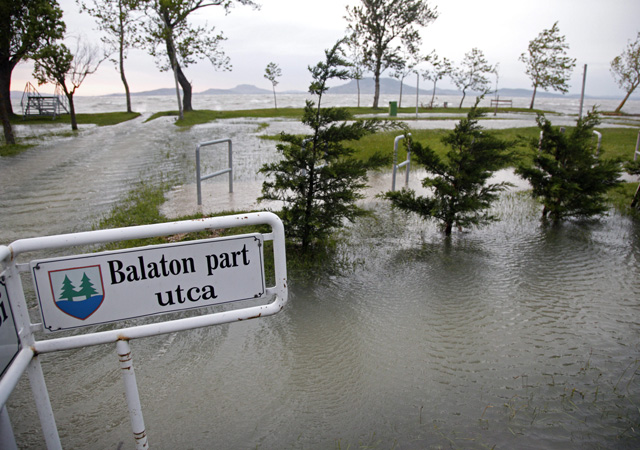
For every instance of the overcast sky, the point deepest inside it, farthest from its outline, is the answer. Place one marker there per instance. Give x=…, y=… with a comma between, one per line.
x=295, y=33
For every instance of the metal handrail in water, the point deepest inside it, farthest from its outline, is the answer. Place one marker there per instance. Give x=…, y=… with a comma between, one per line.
x=397, y=166
x=200, y=179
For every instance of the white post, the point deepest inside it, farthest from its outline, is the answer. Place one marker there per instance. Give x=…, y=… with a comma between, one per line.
x=417, y=92
x=43, y=405
x=7, y=438
x=34, y=369
x=584, y=82
x=131, y=392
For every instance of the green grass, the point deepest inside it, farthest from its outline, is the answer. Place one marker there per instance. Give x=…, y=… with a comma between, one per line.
x=621, y=196
x=192, y=118
x=142, y=204
x=617, y=143
x=384, y=142
x=99, y=119
x=140, y=207
x=14, y=149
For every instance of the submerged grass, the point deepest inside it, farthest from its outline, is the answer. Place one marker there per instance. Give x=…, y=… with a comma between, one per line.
x=24, y=143
x=142, y=204
x=14, y=149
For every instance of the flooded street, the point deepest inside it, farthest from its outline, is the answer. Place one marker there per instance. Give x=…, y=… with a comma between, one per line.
x=516, y=335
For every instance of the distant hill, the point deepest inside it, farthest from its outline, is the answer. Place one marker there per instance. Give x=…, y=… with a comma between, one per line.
x=387, y=86
x=241, y=89
x=390, y=86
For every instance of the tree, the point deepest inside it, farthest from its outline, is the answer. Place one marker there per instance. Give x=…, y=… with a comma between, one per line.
x=25, y=27
x=183, y=43
x=56, y=64
x=472, y=73
x=68, y=292
x=356, y=57
x=271, y=73
x=546, y=62
x=86, y=287
x=117, y=19
x=626, y=69
x=461, y=195
x=318, y=179
x=439, y=69
x=566, y=176
x=406, y=65
x=383, y=25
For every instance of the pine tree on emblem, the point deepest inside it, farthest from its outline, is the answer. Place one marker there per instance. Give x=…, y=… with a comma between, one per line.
x=68, y=291
x=86, y=287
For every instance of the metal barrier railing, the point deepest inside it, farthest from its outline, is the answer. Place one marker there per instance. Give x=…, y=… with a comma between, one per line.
x=229, y=169
x=15, y=316
x=562, y=130
x=397, y=166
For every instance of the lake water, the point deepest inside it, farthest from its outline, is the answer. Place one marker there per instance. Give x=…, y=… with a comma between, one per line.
x=516, y=335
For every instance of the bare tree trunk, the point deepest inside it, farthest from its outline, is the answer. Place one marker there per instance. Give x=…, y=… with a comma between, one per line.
x=376, y=94
x=187, y=90
x=624, y=100
x=121, y=57
x=448, y=228
x=124, y=78
x=533, y=97
x=177, y=70
x=72, y=112
x=376, y=76
x=9, y=137
x=5, y=87
x=464, y=94
x=433, y=94
x=5, y=117
x=275, y=102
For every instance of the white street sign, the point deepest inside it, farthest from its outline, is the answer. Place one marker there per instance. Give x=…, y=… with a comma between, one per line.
x=98, y=288
x=9, y=341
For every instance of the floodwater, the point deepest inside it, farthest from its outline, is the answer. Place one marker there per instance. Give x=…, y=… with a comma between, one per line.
x=515, y=335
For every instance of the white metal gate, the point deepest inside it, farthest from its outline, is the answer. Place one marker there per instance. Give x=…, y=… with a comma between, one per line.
x=25, y=352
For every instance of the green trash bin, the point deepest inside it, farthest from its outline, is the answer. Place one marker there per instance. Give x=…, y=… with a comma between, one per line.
x=393, y=109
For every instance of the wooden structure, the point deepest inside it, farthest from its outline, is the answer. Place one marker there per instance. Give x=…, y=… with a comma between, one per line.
x=36, y=104
x=496, y=102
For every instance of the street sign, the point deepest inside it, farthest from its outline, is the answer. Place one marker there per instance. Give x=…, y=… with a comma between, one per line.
x=9, y=341
x=91, y=289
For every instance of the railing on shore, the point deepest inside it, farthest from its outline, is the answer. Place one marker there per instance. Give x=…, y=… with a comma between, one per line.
x=19, y=332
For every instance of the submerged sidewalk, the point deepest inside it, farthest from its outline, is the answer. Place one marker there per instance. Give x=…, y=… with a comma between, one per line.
x=182, y=200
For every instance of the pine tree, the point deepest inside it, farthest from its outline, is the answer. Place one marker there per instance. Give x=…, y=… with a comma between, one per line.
x=318, y=179
x=461, y=196
x=86, y=287
x=567, y=177
x=68, y=292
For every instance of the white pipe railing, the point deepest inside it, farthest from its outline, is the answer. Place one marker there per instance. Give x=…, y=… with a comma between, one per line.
x=406, y=162
x=25, y=360
x=229, y=170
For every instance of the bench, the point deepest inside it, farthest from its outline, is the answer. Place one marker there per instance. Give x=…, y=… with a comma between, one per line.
x=504, y=103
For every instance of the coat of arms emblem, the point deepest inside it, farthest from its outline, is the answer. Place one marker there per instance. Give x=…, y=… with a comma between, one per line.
x=77, y=292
